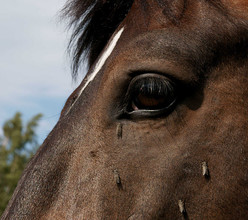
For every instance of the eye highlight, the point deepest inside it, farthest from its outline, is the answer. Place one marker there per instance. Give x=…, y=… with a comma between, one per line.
x=150, y=95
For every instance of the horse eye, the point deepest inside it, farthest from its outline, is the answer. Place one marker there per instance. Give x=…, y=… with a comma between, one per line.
x=151, y=94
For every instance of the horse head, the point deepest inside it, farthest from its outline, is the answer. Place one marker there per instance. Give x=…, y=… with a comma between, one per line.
x=158, y=127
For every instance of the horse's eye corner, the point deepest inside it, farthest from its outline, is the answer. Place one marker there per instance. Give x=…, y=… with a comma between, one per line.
x=150, y=95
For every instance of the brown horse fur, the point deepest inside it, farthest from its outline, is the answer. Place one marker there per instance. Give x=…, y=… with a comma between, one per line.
x=200, y=45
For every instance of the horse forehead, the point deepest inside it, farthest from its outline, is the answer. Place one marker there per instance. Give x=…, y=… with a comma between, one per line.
x=148, y=15
x=236, y=3
x=238, y=8
x=152, y=14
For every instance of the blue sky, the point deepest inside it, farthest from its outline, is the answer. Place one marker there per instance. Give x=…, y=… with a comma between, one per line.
x=34, y=67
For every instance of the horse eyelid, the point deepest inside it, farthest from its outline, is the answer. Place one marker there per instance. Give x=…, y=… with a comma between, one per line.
x=158, y=83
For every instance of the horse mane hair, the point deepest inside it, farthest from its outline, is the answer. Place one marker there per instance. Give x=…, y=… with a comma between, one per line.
x=93, y=22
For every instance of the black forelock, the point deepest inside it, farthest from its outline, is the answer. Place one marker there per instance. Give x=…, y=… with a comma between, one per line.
x=93, y=22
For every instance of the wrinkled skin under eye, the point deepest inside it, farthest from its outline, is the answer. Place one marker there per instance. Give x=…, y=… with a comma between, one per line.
x=150, y=95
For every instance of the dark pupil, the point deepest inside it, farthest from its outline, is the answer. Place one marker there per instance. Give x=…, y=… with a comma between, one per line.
x=149, y=102
x=153, y=93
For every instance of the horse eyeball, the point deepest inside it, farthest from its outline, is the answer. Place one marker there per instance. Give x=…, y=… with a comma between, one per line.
x=148, y=102
x=151, y=92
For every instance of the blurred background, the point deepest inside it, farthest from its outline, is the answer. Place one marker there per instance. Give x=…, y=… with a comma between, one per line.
x=35, y=82
x=34, y=67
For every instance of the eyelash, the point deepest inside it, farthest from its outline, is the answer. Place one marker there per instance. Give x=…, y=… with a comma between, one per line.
x=157, y=92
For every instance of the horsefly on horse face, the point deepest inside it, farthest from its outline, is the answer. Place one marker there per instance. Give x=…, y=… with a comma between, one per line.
x=117, y=177
x=119, y=130
x=205, y=171
x=181, y=206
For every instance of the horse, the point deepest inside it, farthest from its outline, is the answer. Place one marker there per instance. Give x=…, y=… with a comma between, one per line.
x=158, y=127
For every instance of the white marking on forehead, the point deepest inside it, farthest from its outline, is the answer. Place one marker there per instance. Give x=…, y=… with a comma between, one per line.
x=103, y=58
x=100, y=62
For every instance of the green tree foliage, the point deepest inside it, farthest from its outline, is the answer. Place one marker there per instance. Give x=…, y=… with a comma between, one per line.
x=17, y=145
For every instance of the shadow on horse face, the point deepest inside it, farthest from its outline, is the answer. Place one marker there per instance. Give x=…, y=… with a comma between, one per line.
x=158, y=128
